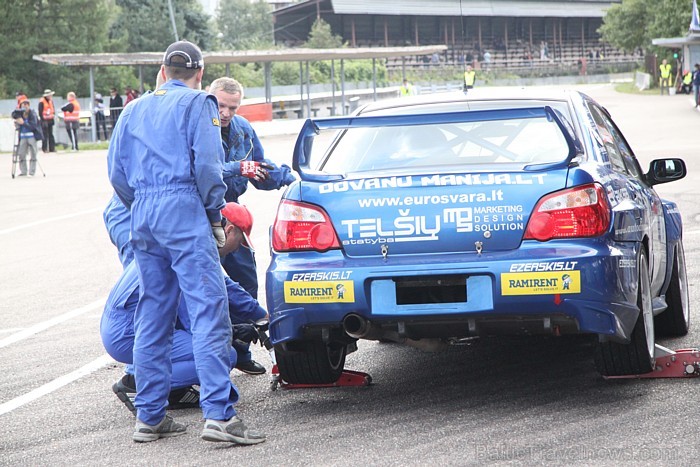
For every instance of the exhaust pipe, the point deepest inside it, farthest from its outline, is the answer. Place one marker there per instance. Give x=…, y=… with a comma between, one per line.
x=358, y=327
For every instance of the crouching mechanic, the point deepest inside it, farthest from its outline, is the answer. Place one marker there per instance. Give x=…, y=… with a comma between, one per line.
x=117, y=325
x=245, y=162
x=117, y=220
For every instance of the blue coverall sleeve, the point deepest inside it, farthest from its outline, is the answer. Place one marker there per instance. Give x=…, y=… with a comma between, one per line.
x=258, y=151
x=208, y=157
x=241, y=305
x=232, y=168
x=115, y=168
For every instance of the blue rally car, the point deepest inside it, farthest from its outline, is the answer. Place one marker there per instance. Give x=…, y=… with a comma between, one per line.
x=428, y=221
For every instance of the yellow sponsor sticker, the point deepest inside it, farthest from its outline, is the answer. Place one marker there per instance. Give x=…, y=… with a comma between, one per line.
x=216, y=122
x=319, y=292
x=160, y=92
x=540, y=283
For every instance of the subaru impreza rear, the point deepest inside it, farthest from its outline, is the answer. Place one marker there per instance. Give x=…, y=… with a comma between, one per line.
x=430, y=222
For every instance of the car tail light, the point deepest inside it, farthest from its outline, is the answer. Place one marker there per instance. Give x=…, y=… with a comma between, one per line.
x=577, y=212
x=300, y=226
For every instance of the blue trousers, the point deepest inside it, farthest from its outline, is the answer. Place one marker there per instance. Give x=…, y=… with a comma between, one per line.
x=240, y=267
x=175, y=251
x=117, y=331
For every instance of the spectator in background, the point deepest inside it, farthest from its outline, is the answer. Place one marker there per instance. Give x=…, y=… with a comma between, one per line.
x=487, y=60
x=687, y=82
x=469, y=78
x=71, y=117
x=130, y=95
x=21, y=97
x=665, y=76
x=115, y=106
x=696, y=84
x=47, y=113
x=406, y=89
x=99, y=110
x=29, y=132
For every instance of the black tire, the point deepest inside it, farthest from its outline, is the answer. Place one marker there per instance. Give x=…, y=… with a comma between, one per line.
x=675, y=320
x=311, y=362
x=637, y=356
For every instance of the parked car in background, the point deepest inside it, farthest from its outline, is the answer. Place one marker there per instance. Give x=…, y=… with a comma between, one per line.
x=432, y=219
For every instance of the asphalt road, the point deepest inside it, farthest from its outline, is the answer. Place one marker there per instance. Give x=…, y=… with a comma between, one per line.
x=496, y=401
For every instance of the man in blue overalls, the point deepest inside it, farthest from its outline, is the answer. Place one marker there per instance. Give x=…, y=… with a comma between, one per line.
x=117, y=324
x=245, y=162
x=165, y=164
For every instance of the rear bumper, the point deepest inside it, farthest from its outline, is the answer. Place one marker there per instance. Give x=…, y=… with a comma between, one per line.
x=507, y=293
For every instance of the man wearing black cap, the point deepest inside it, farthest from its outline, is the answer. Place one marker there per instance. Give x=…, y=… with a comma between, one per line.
x=165, y=163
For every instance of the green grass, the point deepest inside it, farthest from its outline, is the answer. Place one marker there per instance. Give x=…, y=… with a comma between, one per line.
x=94, y=146
x=631, y=88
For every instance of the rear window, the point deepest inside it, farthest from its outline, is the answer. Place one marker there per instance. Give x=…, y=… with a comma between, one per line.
x=430, y=146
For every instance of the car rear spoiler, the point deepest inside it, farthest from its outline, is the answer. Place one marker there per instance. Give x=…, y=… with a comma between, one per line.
x=313, y=127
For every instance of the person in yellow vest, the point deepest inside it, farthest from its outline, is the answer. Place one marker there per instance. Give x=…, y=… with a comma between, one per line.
x=47, y=112
x=71, y=115
x=687, y=84
x=406, y=89
x=664, y=76
x=469, y=78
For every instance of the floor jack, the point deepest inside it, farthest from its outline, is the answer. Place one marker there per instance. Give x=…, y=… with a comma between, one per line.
x=348, y=378
x=683, y=363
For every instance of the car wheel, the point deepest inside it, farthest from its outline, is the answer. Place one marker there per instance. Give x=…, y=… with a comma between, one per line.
x=675, y=320
x=637, y=356
x=311, y=362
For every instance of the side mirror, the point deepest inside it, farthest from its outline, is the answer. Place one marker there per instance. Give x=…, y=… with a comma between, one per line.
x=665, y=170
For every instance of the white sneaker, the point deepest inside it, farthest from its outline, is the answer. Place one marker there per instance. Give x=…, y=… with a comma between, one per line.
x=232, y=431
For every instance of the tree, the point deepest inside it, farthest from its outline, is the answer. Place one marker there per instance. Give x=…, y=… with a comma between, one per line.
x=633, y=24
x=244, y=24
x=146, y=26
x=321, y=37
x=31, y=27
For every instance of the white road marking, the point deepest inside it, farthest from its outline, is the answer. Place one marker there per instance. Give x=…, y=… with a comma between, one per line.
x=50, y=219
x=37, y=328
x=55, y=384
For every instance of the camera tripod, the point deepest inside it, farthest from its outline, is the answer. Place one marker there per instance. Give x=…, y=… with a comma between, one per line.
x=15, y=156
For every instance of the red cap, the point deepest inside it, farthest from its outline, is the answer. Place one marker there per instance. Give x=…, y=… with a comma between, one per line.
x=240, y=216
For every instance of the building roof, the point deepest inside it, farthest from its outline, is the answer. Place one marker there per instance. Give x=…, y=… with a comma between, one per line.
x=511, y=8
x=677, y=42
x=240, y=56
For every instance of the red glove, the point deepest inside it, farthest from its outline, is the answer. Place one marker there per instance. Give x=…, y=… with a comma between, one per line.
x=255, y=170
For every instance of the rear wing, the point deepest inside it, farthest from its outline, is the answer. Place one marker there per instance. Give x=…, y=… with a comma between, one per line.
x=313, y=127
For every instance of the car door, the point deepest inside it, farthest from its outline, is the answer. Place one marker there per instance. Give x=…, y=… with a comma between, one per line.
x=626, y=163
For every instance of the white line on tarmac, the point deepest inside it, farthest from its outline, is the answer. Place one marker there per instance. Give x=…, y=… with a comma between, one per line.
x=50, y=219
x=37, y=328
x=57, y=383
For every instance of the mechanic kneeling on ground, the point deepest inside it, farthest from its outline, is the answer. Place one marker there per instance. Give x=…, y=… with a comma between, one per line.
x=117, y=325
